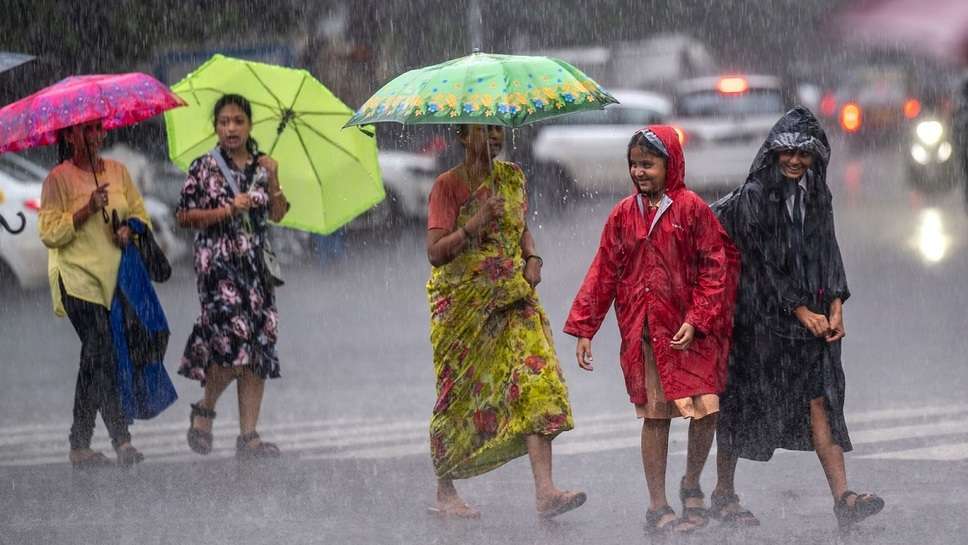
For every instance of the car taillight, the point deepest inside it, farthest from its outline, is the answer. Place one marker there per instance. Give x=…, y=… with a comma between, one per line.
x=733, y=85
x=851, y=117
x=828, y=105
x=32, y=204
x=682, y=135
x=912, y=107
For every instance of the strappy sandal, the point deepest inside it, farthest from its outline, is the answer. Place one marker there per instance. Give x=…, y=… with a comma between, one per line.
x=85, y=458
x=865, y=505
x=718, y=509
x=652, y=519
x=200, y=441
x=564, y=502
x=698, y=517
x=263, y=450
x=128, y=455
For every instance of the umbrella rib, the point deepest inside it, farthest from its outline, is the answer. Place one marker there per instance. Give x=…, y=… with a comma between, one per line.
x=264, y=86
x=195, y=90
x=312, y=165
x=331, y=141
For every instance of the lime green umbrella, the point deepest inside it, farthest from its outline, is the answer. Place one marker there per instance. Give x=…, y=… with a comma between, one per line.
x=330, y=175
x=509, y=90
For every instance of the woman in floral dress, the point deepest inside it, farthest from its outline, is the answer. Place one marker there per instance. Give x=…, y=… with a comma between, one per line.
x=235, y=335
x=500, y=391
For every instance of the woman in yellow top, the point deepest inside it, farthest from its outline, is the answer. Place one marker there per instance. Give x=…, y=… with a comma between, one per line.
x=84, y=257
x=500, y=391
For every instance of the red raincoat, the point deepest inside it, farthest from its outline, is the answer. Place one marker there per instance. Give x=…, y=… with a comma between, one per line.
x=683, y=268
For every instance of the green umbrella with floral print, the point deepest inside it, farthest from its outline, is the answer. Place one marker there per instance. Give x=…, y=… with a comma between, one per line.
x=481, y=88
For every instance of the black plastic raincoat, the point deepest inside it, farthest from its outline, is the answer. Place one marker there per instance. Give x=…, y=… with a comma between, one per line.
x=776, y=365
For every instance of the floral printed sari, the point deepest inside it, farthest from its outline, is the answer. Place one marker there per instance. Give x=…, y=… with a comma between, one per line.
x=498, y=378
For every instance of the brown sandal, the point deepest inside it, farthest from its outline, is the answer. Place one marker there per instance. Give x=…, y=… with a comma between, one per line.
x=128, y=455
x=865, y=505
x=243, y=450
x=199, y=441
x=85, y=458
x=564, y=502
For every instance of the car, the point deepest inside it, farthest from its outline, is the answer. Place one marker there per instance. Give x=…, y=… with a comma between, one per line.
x=407, y=178
x=585, y=153
x=722, y=121
x=23, y=258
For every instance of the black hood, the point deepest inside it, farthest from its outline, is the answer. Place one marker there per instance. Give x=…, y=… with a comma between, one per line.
x=797, y=129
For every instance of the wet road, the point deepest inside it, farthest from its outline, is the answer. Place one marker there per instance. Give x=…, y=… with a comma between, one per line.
x=351, y=409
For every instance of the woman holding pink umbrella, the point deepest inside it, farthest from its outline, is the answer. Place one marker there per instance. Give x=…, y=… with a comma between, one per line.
x=85, y=249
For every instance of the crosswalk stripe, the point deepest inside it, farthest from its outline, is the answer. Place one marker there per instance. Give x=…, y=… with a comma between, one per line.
x=369, y=438
x=941, y=453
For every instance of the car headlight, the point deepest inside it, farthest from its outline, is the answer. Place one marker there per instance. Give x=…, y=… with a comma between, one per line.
x=919, y=154
x=944, y=151
x=929, y=132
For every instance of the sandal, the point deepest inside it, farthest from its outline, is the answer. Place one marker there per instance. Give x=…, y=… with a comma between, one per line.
x=562, y=503
x=652, y=519
x=263, y=450
x=200, y=441
x=457, y=511
x=718, y=505
x=85, y=458
x=128, y=455
x=865, y=505
x=698, y=517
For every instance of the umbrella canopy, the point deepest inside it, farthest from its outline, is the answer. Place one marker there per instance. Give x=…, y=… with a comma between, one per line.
x=481, y=88
x=116, y=99
x=329, y=175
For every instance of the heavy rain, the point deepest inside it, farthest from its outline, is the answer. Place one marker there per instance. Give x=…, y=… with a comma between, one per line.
x=333, y=271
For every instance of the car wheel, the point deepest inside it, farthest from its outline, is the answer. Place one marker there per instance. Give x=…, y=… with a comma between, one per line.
x=551, y=189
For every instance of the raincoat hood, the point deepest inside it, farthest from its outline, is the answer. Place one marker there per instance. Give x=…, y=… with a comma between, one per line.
x=675, y=163
x=798, y=129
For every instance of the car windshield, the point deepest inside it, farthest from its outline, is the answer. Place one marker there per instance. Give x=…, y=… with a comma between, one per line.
x=715, y=104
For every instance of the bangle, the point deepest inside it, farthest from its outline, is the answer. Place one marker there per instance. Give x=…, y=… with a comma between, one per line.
x=463, y=232
x=534, y=256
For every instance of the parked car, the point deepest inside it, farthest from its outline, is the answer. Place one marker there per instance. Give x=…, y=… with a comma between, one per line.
x=722, y=121
x=23, y=258
x=585, y=153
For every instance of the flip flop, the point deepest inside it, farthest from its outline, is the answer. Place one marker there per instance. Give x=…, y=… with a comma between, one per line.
x=462, y=511
x=565, y=502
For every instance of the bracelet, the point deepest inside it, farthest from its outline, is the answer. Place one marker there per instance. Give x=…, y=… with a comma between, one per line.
x=534, y=256
x=464, y=232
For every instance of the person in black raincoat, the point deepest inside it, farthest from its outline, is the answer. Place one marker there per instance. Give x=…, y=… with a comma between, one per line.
x=785, y=385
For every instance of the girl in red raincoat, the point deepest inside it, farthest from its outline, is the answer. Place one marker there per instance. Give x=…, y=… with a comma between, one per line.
x=671, y=270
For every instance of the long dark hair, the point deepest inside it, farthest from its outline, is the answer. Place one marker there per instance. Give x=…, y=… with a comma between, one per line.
x=243, y=103
x=64, y=149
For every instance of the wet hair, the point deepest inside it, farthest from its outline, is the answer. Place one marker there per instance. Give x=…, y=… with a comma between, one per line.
x=64, y=149
x=243, y=103
x=640, y=140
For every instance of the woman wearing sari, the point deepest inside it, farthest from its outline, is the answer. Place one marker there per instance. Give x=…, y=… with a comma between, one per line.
x=500, y=391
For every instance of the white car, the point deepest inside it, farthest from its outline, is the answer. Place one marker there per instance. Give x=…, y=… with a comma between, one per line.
x=408, y=179
x=722, y=122
x=587, y=151
x=23, y=257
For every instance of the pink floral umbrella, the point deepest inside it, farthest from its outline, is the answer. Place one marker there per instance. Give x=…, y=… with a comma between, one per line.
x=117, y=100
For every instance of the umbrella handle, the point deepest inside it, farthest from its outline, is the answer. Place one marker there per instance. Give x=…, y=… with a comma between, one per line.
x=90, y=159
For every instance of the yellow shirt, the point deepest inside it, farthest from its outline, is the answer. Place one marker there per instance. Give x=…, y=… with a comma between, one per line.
x=86, y=259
